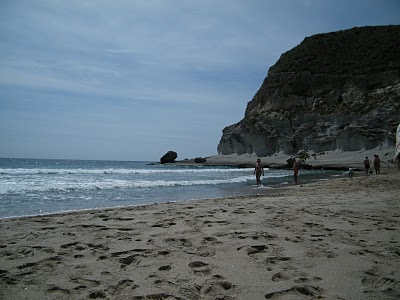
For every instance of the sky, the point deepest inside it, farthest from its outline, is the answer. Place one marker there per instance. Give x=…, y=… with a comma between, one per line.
x=131, y=80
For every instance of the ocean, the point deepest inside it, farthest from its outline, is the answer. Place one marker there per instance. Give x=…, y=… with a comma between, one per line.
x=30, y=187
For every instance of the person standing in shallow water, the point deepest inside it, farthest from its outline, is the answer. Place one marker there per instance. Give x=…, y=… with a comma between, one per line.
x=295, y=170
x=351, y=173
x=366, y=165
x=258, y=171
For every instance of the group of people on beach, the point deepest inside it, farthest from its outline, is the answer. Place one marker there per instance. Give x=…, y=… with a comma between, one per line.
x=377, y=165
x=259, y=170
x=367, y=165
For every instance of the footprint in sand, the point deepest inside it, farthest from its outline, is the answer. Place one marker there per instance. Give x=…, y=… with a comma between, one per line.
x=166, y=223
x=84, y=283
x=131, y=259
x=165, y=268
x=121, y=287
x=200, y=268
x=377, y=281
x=161, y=296
x=216, y=288
x=304, y=279
x=55, y=288
x=273, y=260
x=240, y=210
x=203, y=251
x=97, y=294
x=182, y=242
x=280, y=276
x=253, y=250
x=296, y=292
x=210, y=239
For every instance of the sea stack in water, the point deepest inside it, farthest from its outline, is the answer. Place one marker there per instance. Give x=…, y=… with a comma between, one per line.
x=338, y=90
x=169, y=157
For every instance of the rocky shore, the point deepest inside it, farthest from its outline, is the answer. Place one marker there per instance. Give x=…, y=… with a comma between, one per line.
x=328, y=160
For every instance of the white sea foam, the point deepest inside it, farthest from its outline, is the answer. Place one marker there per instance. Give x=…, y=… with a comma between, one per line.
x=38, y=171
x=28, y=187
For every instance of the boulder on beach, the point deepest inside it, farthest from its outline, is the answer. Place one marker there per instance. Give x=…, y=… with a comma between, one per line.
x=169, y=157
x=200, y=160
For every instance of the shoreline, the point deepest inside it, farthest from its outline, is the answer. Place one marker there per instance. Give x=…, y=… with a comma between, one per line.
x=330, y=239
x=335, y=160
x=265, y=191
x=221, y=190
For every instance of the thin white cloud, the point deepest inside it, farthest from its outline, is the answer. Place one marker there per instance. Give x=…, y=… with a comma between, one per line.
x=152, y=60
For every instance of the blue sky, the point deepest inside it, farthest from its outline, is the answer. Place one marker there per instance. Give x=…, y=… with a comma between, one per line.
x=130, y=80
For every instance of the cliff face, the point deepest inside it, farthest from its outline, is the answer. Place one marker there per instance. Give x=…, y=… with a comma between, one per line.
x=338, y=90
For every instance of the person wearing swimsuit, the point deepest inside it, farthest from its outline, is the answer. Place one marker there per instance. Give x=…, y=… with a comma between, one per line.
x=366, y=165
x=295, y=170
x=258, y=171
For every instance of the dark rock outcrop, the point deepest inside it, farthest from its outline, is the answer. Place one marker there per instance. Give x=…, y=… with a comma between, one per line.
x=338, y=90
x=169, y=157
x=200, y=160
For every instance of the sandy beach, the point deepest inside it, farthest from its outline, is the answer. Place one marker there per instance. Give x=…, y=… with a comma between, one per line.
x=336, y=239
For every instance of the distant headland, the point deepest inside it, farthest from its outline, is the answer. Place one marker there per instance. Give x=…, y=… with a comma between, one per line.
x=334, y=91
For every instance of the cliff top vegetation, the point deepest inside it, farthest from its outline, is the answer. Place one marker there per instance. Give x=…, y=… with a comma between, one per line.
x=360, y=50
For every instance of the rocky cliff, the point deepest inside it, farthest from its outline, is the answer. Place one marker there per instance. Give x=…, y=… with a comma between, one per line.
x=338, y=90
